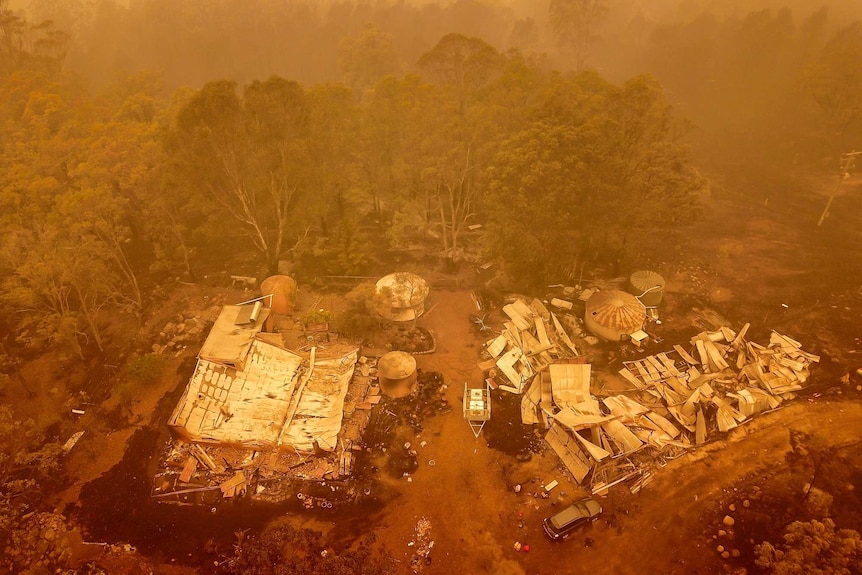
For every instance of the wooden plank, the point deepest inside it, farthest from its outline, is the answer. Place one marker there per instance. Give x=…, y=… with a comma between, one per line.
x=642, y=370
x=188, y=469
x=630, y=377
x=230, y=487
x=622, y=435
x=715, y=356
x=561, y=303
x=594, y=450
x=542, y=334
x=524, y=310
x=563, y=335
x=783, y=340
x=497, y=346
x=729, y=334
x=515, y=315
x=701, y=352
x=655, y=363
x=512, y=333
x=700, y=428
x=654, y=374
x=740, y=337
x=569, y=454
x=668, y=363
x=685, y=355
x=539, y=309
x=663, y=424
x=203, y=457
x=679, y=386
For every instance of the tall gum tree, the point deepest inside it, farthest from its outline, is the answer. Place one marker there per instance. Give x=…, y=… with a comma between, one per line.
x=248, y=155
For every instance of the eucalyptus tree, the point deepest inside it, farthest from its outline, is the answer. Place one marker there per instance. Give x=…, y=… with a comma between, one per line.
x=248, y=156
x=596, y=164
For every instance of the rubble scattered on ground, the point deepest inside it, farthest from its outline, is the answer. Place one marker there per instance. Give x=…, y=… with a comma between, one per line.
x=679, y=398
x=532, y=339
x=207, y=474
x=421, y=544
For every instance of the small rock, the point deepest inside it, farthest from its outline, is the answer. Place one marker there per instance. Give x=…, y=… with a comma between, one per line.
x=746, y=503
x=720, y=548
x=735, y=552
x=722, y=533
x=728, y=520
x=732, y=507
x=725, y=555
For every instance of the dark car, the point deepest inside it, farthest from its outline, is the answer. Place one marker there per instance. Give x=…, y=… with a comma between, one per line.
x=561, y=525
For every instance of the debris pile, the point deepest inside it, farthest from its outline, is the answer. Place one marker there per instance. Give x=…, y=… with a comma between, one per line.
x=422, y=544
x=728, y=381
x=207, y=473
x=532, y=339
x=684, y=400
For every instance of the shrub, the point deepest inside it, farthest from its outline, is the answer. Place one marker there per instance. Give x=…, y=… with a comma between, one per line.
x=146, y=369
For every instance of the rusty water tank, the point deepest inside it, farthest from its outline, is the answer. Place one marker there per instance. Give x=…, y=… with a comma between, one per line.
x=614, y=314
x=647, y=286
x=396, y=371
x=283, y=291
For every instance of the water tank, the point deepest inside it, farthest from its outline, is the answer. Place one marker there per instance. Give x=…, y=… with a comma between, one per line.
x=648, y=286
x=283, y=291
x=614, y=314
x=401, y=296
x=397, y=373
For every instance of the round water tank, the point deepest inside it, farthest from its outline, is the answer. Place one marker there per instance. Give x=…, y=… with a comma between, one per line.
x=401, y=296
x=283, y=291
x=397, y=373
x=614, y=314
x=647, y=286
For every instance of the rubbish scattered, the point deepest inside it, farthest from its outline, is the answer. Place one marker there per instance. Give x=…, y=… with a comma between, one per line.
x=720, y=382
x=423, y=543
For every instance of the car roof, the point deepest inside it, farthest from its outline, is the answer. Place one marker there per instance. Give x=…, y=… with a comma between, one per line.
x=584, y=508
